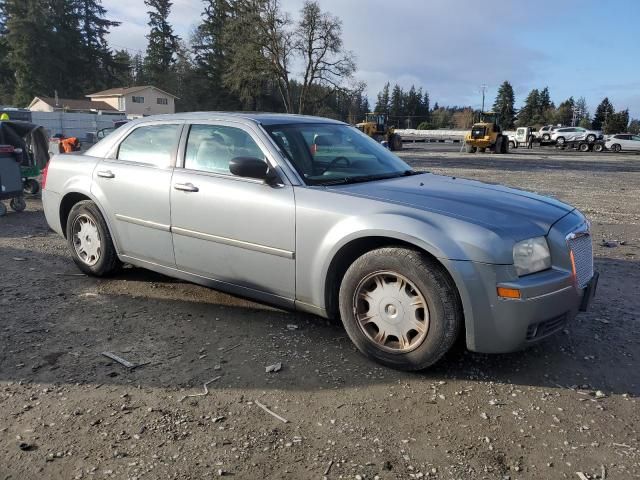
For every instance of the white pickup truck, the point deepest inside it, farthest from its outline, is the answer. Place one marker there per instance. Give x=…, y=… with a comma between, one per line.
x=520, y=136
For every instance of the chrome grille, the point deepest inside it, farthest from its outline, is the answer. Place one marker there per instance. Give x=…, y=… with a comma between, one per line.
x=580, y=244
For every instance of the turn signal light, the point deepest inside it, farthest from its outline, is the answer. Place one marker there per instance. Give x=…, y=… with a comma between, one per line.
x=508, y=292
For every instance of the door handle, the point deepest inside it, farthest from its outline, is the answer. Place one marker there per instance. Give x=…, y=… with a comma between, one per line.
x=185, y=187
x=105, y=174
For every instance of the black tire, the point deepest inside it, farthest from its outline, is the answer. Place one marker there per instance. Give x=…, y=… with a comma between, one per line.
x=18, y=204
x=598, y=147
x=108, y=261
x=546, y=137
x=395, y=142
x=512, y=144
x=616, y=147
x=591, y=138
x=504, y=147
x=482, y=149
x=560, y=140
x=431, y=281
x=583, y=147
x=30, y=186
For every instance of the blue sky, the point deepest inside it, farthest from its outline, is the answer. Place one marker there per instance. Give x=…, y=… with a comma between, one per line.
x=451, y=47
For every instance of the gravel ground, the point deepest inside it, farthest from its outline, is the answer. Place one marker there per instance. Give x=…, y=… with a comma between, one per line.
x=568, y=405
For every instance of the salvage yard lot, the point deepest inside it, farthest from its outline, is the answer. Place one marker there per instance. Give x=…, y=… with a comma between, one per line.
x=567, y=405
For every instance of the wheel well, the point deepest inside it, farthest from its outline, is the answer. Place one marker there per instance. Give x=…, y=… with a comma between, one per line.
x=67, y=203
x=349, y=253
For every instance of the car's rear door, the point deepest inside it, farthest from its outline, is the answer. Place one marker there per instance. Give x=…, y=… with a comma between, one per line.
x=133, y=188
x=240, y=231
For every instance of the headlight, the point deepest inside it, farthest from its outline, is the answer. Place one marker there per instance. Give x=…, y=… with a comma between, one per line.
x=532, y=255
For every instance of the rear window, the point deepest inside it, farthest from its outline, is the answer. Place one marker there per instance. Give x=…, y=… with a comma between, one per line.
x=151, y=144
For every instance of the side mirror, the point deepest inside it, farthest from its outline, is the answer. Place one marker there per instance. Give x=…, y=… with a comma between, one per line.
x=249, y=167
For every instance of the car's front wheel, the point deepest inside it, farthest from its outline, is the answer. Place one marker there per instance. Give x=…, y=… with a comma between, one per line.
x=400, y=308
x=616, y=148
x=591, y=138
x=90, y=241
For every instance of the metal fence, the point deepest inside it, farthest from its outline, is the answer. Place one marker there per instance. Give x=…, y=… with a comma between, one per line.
x=80, y=125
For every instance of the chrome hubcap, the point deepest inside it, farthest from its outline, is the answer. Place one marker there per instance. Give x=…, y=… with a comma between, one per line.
x=391, y=311
x=86, y=240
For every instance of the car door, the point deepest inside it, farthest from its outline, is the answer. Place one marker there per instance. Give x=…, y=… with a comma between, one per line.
x=133, y=188
x=634, y=143
x=240, y=231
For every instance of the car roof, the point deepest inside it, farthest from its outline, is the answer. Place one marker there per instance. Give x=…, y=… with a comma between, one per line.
x=262, y=118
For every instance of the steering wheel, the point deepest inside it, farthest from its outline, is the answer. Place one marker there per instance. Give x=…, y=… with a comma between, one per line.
x=335, y=161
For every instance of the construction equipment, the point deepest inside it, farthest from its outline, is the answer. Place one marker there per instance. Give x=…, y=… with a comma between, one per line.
x=486, y=134
x=28, y=142
x=376, y=125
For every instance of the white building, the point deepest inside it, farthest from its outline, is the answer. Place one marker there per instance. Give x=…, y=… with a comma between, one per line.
x=137, y=101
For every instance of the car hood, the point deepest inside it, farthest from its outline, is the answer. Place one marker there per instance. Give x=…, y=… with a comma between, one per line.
x=522, y=214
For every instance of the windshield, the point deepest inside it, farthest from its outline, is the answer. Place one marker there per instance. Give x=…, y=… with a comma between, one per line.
x=326, y=154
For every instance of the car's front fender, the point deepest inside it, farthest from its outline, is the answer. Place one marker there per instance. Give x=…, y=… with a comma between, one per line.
x=322, y=234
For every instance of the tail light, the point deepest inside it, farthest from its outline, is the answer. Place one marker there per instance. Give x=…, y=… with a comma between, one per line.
x=43, y=182
x=6, y=149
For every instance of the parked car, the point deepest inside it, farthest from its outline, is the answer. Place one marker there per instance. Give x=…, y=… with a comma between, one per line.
x=545, y=132
x=310, y=214
x=623, y=142
x=571, y=134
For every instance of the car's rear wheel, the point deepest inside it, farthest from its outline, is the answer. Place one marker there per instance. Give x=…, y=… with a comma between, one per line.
x=400, y=308
x=90, y=241
x=616, y=147
x=546, y=137
x=591, y=138
x=598, y=147
x=512, y=144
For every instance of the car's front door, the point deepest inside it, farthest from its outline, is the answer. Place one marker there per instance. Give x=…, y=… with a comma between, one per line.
x=236, y=230
x=133, y=188
x=634, y=143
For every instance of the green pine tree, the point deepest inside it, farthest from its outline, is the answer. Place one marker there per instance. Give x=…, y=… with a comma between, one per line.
x=396, y=105
x=603, y=112
x=163, y=43
x=530, y=111
x=383, y=102
x=29, y=28
x=503, y=105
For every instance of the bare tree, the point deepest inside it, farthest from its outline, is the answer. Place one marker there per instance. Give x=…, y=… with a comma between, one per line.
x=318, y=40
x=264, y=42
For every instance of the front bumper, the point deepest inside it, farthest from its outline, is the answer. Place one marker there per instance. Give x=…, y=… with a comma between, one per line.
x=549, y=300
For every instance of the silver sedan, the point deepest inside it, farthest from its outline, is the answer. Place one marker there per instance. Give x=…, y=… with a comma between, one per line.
x=311, y=214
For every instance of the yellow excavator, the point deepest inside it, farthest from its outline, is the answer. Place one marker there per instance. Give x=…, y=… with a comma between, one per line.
x=376, y=125
x=486, y=134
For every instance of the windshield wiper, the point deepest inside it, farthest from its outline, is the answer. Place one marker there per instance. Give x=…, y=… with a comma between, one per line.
x=368, y=178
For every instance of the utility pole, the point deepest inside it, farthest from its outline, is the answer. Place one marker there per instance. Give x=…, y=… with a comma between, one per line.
x=483, y=89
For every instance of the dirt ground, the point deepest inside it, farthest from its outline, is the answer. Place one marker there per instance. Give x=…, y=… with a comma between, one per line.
x=568, y=405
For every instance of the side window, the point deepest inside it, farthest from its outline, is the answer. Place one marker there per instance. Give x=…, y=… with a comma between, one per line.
x=210, y=148
x=151, y=144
